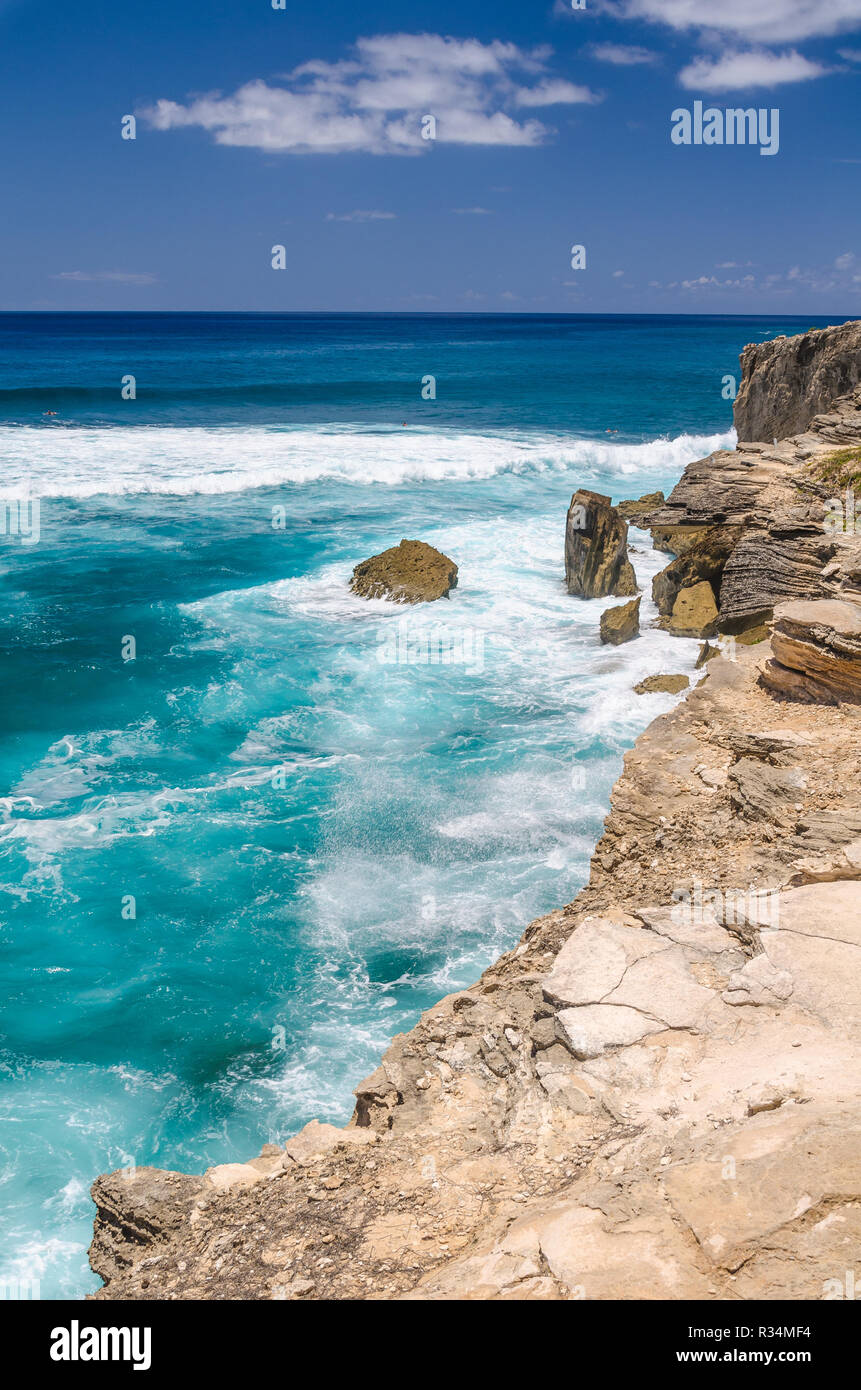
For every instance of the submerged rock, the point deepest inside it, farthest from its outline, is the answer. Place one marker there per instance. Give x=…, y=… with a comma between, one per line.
x=662, y=685
x=620, y=624
x=412, y=572
x=596, y=548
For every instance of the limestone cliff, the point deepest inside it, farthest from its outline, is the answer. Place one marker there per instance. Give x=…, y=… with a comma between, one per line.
x=656, y=1093
x=787, y=381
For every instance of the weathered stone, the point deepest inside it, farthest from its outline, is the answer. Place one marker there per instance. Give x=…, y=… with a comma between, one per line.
x=816, y=652
x=694, y=612
x=766, y=569
x=596, y=548
x=762, y=792
x=621, y=624
x=590, y=1030
x=412, y=572
x=594, y=959
x=705, y=558
x=787, y=381
x=662, y=685
x=637, y=513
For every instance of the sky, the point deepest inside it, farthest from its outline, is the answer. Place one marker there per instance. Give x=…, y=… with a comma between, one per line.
x=553, y=127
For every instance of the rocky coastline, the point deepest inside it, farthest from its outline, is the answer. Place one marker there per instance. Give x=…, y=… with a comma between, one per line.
x=655, y=1094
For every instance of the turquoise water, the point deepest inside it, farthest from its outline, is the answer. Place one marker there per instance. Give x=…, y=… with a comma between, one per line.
x=319, y=840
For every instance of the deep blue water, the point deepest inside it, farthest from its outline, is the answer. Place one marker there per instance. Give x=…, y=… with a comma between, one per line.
x=319, y=842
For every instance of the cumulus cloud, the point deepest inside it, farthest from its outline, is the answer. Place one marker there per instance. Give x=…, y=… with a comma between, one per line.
x=760, y=21
x=374, y=101
x=555, y=93
x=756, y=68
x=622, y=55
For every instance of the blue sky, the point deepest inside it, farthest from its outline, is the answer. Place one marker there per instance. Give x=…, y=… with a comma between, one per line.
x=259, y=126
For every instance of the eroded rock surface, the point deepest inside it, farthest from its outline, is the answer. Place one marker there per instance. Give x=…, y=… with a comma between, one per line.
x=596, y=548
x=787, y=381
x=412, y=572
x=620, y=624
x=654, y=1095
x=816, y=652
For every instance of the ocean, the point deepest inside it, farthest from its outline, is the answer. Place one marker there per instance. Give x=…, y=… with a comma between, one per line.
x=247, y=833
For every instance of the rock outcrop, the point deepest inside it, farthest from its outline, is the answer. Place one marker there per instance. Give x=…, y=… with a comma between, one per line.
x=637, y=512
x=695, y=612
x=596, y=549
x=412, y=572
x=787, y=381
x=662, y=685
x=655, y=1094
x=704, y=558
x=816, y=652
x=620, y=624
x=774, y=503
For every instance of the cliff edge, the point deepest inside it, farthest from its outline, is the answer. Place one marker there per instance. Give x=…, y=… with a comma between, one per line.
x=656, y=1093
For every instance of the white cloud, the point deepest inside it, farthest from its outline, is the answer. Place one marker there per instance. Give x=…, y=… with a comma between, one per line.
x=766, y=21
x=555, y=92
x=374, y=101
x=840, y=277
x=120, y=277
x=473, y=212
x=617, y=274
x=756, y=68
x=622, y=55
x=852, y=55
x=360, y=216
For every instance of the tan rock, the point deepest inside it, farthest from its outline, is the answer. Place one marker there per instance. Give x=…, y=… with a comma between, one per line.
x=662, y=685
x=694, y=612
x=816, y=652
x=620, y=624
x=596, y=548
x=411, y=572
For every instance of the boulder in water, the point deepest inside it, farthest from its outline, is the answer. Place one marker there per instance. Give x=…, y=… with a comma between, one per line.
x=412, y=572
x=620, y=624
x=662, y=685
x=596, y=548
